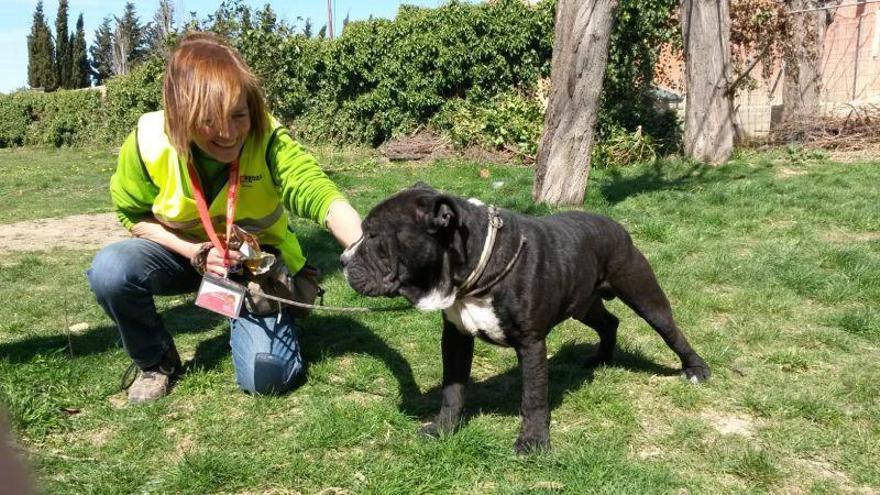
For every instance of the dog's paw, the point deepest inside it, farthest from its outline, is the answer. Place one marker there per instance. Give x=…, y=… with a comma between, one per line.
x=435, y=430
x=697, y=373
x=429, y=430
x=525, y=446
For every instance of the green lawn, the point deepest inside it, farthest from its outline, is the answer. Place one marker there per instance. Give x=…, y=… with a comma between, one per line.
x=772, y=264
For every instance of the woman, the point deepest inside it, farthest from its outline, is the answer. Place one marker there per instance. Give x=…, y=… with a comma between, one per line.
x=214, y=144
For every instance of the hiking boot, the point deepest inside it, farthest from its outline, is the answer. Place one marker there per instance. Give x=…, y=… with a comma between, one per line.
x=155, y=382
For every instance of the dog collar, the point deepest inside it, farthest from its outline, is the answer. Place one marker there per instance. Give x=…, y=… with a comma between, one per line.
x=494, y=225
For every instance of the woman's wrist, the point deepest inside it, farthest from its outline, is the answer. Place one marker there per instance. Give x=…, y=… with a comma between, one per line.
x=199, y=259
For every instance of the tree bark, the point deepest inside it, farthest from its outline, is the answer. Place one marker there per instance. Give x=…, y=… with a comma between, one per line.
x=580, y=55
x=802, y=53
x=708, y=125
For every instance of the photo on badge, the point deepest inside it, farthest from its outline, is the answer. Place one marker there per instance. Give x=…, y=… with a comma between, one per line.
x=220, y=296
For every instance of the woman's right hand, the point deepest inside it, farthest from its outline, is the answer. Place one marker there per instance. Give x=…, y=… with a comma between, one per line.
x=215, y=265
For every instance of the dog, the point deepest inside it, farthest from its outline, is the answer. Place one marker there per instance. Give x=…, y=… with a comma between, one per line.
x=508, y=279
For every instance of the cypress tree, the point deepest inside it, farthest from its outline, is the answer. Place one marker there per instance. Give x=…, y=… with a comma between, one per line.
x=80, y=73
x=102, y=52
x=41, y=52
x=62, y=47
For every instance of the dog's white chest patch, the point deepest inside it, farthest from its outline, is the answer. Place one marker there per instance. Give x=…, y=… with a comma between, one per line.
x=435, y=300
x=475, y=316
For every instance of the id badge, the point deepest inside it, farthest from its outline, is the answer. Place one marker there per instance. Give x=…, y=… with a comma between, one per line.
x=220, y=295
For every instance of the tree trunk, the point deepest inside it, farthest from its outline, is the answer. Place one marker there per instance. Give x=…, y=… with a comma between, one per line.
x=708, y=124
x=803, y=77
x=580, y=54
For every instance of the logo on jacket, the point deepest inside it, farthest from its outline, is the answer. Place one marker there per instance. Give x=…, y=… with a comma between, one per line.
x=250, y=179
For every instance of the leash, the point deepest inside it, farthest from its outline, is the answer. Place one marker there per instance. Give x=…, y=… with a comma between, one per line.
x=321, y=307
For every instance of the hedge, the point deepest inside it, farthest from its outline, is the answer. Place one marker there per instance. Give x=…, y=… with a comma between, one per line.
x=470, y=70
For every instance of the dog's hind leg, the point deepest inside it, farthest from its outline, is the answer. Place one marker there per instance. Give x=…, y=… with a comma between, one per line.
x=635, y=284
x=605, y=324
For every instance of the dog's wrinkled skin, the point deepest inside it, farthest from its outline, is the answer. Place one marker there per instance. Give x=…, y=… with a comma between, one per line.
x=422, y=245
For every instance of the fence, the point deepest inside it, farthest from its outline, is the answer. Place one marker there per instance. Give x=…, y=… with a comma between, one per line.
x=849, y=83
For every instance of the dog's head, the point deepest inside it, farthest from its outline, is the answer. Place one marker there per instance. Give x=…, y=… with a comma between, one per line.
x=408, y=249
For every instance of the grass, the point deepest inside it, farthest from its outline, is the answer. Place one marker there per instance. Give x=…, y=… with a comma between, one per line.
x=772, y=264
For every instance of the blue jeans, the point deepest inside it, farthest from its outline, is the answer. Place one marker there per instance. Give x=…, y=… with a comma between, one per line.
x=126, y=275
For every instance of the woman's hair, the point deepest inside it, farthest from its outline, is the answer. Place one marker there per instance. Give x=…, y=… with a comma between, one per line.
x=203, y=81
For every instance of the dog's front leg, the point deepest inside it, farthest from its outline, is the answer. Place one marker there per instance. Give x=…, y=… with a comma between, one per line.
x=458, y=354
x=535, y=431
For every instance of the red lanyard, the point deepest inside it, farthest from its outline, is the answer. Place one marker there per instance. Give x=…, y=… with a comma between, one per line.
x=202, y=204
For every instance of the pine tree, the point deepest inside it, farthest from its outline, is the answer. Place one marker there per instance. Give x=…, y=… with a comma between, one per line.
x=41, y=52
x=80, y=74
x=102, y=52
x=63, y=63
x=307, y=29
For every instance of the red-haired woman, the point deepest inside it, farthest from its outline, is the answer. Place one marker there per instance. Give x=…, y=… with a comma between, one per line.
x=214, y=154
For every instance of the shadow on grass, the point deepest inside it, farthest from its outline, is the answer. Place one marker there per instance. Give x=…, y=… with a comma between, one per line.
x=616, y=188
x=182, y=319
x=500, y=394
x=329, y=336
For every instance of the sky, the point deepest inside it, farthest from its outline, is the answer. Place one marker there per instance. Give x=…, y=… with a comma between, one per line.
x=16, y=17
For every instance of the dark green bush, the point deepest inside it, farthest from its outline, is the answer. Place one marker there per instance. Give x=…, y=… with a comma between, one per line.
x=15, y=115
x=60, y=118
x=468, y=69
x=510, y=120
x=382, y=78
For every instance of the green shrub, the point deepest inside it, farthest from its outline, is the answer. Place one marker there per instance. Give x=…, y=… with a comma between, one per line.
x=130, y=96
x=621, y=148
x=509, y=120
x=381, y=78
x=60, y=118
x=14, y=118
x=469, y=69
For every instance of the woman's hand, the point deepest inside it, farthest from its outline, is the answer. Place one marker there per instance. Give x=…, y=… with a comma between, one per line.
x=215, y=265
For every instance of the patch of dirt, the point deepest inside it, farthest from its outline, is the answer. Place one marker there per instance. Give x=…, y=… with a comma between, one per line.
x=424, y=145
x=786, y=172
x=420, y=145
x=824, y=470
x=730, y=424
x=99, y=438
x=84, y=232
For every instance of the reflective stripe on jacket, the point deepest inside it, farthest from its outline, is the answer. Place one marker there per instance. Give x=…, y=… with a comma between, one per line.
x=259, y=208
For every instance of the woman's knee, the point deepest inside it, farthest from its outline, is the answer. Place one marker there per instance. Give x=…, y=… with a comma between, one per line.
x=113, y=270
x=268, y=374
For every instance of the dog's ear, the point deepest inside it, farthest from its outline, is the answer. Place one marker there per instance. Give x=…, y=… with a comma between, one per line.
x=444, y=215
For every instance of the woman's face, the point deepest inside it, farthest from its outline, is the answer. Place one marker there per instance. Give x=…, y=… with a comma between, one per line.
x=225, y=147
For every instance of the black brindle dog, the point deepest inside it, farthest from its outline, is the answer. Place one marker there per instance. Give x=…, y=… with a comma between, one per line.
x=508, y=279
